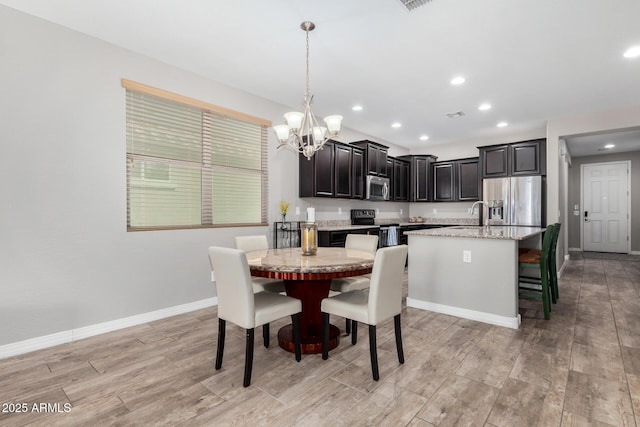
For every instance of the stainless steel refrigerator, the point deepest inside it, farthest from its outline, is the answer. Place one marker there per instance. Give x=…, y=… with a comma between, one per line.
x=515, y=200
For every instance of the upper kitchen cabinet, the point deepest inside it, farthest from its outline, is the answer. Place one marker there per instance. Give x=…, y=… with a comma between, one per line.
x=521, y=158
x=529, y=158
x=343, y=170
x=398, y=174
x=469, y=181
x=419, y=176
x=456, y=180
x=335, y=171
x=375, y=157
x=357, y=173
x=317, y=175
x=400, y=183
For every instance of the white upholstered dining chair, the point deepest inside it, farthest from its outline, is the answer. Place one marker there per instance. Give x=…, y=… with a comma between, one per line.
x=256, y=243
x=362, y=242
x=383, y=301
x=238, y=304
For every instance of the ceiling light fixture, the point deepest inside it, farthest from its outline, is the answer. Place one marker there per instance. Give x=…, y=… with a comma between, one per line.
x=424, y=138
x=609, y=146
x=632, y=52
x=484, y=107
x=502, y=124
x=302, y=133
x=357, y=108
x=458, y=80
x=396, y=125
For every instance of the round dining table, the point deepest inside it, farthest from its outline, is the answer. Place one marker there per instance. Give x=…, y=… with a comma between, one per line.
x=308, y=278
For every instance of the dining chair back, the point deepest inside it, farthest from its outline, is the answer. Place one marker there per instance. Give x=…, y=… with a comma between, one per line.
x=238, y=304
x=257, y=243
x=362, y=242
x=383, y=301
x=252, y=243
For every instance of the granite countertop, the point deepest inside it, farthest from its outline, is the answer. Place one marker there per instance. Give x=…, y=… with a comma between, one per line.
x=327, y=260
x=494, y=232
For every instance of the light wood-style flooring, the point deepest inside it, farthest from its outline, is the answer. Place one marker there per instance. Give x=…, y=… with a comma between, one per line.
x=581, y=368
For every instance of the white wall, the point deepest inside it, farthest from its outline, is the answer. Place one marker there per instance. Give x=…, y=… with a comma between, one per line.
x=66, y=259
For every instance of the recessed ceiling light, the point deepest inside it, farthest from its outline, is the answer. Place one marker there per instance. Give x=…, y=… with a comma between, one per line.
x=609, y=146
x=458, y=80
x=357, y=108
x=484, y=107
x=396, y=125
x=423, y=137
x=632, y=52
x=502, y=124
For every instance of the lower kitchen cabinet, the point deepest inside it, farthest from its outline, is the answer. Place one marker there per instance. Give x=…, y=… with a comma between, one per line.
x=337, y=238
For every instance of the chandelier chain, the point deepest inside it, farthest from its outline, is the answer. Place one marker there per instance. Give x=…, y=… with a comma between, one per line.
x=307, y=75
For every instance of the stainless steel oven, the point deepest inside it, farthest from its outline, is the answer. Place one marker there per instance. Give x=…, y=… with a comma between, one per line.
x=377, y=188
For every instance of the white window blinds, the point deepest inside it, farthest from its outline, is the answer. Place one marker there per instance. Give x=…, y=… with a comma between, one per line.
x=191, y=164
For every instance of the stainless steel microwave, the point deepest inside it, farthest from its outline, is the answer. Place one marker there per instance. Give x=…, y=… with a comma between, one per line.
x=377, y=188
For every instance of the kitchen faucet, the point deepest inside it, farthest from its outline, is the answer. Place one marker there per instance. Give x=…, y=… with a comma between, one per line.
x=486, y=207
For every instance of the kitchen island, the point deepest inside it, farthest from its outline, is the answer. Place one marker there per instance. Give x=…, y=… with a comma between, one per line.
x=469, y=272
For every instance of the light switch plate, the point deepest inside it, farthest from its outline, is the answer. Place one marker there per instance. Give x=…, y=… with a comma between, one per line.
x=466, y=256
x=339, y=211
x=297, y=210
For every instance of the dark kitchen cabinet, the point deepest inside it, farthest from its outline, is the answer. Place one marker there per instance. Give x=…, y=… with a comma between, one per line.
x=390, y=169
x=469, y=180
x=317, y=175
x=521, y=158
x=495, y=161
x=357, y=174
x=419, y=177
x=400, y=183
x=343, y=170
x=337, y=238
x=529, y=158
x=375, y=157
x=456, y=180
x=444, y=182
x=335, y=171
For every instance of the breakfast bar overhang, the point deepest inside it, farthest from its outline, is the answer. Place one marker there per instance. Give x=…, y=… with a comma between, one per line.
x=469, y=272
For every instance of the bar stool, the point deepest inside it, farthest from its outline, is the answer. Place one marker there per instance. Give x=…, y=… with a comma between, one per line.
x=534, y=287
x=553, y=270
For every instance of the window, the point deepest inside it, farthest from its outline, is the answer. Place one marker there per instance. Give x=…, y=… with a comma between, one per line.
x=192, y=164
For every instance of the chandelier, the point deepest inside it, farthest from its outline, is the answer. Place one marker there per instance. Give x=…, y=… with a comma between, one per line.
x=302, y=132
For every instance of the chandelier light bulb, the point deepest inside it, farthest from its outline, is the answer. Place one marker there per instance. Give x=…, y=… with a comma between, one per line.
x=294, y=119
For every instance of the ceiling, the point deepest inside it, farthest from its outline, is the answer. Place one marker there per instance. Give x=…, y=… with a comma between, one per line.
x=592, y=145
x=530, y=59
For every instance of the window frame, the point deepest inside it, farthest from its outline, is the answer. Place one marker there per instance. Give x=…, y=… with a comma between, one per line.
x=206, y=165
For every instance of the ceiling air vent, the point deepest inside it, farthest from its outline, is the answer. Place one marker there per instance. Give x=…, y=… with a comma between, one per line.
x=413, y=4
x=455, y=115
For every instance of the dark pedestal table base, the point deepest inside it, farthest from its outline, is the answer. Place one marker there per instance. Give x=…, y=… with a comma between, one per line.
x=311, y=293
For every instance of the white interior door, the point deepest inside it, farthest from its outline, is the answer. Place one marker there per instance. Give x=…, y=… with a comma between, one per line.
x=605, y=194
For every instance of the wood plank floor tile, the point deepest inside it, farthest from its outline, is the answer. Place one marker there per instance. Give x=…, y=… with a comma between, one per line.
x=599, y=399
x=460, y=402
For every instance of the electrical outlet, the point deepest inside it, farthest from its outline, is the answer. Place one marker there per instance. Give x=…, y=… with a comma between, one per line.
x=435, y=211
x=297, y=210
x=377, y=211
x=466, y=256
x=400, y=211
x=213, y=276
x=339, y=211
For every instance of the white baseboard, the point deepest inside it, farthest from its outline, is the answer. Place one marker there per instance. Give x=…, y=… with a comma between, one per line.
x=575, y=249
x=38, y=343
x=634, y=252
x=564, y=263
x=493, y=319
